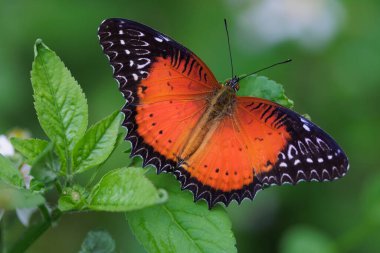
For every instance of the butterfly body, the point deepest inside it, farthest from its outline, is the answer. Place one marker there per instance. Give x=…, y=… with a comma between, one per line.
x=220, y=105
x=221, y=146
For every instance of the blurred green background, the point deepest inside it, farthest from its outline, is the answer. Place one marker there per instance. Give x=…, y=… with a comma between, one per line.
x=334, y=77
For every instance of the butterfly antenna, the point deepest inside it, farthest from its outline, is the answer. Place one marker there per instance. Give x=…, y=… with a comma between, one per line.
x=257, y=71
x=229, y=48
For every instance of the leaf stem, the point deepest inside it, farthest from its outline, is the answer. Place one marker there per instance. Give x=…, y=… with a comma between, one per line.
x=34, y=232
x=58, y=186
x=45, y=212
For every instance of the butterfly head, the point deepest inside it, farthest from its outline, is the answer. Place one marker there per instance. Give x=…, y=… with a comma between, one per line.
x=233, y=83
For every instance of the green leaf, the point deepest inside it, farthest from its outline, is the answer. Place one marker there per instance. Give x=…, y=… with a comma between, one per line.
x=124, y=189
x=29, y=148
x=59, y=101
x=98, y=242
x=46, y=166
x=8, y=173
x=180, y=225
x=302, y=239
x=97, y=144
x=262, y=87
x=12, y=197
x=73, y=198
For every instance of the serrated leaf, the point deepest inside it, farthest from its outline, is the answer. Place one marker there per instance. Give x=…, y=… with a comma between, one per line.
x=8, y=173
x=123, y=189
x=29, y=148
x=59, y=101
x=12, y=197
x=97, y=144
x=46, y=166
x=180, y=225
x=302, y=239
x=98, y=242
x=262, y=87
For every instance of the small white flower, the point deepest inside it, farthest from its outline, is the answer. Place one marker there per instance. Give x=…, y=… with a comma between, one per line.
x=311, y=23
x=25, y=172
x=6, y=148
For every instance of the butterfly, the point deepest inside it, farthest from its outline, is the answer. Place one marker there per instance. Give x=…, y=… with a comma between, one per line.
x=220, y=146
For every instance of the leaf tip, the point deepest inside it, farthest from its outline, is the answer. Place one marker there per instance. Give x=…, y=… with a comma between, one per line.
x=38, y=45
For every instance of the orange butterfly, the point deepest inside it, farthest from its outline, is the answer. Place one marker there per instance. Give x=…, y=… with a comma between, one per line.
x=220, y=146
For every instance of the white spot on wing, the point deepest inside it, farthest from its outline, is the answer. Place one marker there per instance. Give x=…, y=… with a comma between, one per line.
x=158, y=39
x=306, y=127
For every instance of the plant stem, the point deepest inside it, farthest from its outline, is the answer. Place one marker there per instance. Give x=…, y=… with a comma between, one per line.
x=45, y=212
x=34, y=232
x=2, y=235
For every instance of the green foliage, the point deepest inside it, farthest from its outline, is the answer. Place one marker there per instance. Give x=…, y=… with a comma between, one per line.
x=98, y=242
x=12, y=197
x=97, y=144
x=45, y=167
x=302, y=239
x=59, y=101
x=180, y=225
x=160, y=223
x=29, y=148
x=8, y=173
x=124, y=189
x=262, y=87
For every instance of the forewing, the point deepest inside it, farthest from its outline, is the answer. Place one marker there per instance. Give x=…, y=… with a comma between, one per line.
x=166, y=87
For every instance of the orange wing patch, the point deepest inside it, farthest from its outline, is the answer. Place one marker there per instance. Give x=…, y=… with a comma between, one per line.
x=222, y=161
x=235, y=151
x=183, y=82
x=165, y=125
x=170, y=102
x=262, y=130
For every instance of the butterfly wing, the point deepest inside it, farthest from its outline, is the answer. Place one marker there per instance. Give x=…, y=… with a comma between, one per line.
x=166, y=87
x=305, y=152
x=260, y=144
